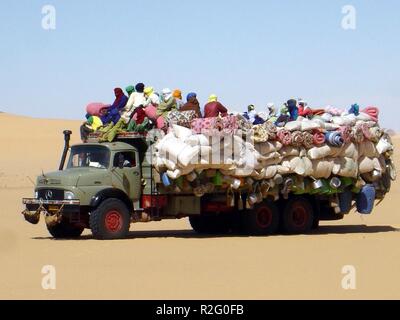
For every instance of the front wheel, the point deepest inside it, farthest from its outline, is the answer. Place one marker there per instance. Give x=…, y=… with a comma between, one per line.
x=64, y=230
x=111, y=220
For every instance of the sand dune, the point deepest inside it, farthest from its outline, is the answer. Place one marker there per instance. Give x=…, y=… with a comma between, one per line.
x=166, y=260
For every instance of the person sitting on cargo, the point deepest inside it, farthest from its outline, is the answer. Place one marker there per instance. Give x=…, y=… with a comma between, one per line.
x=151, y=98
x=135, y=100
x=192, y=104
x=283, y=116
x=91, y=125
x=177, y=94
x=113, y=114
x=271, y=110
x=304, y=109
x=293, y=109
x=253, y=116
x=139, y=122
x=167, y=104
x=250, y=114
x=214, y=108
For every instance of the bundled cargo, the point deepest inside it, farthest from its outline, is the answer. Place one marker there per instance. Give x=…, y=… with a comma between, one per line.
x=329, y=153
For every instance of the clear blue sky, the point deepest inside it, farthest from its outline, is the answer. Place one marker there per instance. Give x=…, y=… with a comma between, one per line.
x=244, y=51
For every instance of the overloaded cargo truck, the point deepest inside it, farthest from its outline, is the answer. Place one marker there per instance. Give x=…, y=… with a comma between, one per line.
x=105, y=187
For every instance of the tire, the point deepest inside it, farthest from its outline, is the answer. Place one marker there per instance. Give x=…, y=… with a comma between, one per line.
x=210, y=224
x=262, y=220
x=298, y=216
x=65, y=230
x=111, y=220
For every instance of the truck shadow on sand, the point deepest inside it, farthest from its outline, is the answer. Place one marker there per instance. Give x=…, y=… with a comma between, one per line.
x=189, y=234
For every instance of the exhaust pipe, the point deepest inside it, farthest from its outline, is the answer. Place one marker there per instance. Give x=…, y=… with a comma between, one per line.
x=67, y=137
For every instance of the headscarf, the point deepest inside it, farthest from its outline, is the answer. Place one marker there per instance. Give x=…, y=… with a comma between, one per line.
x=166, y=94
x=140, y=87
x=177, y=94
x=271, y=108
x=148, y=91
x=213, y=98
x=130, y=89
x=190, y=96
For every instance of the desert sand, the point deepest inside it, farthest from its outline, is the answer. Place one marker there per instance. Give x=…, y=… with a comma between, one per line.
x=167, y=260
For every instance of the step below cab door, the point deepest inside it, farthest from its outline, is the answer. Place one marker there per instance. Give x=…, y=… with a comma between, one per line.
x=127, y=173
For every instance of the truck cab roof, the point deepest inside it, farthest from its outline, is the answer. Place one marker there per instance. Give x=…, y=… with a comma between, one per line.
x=113, y=146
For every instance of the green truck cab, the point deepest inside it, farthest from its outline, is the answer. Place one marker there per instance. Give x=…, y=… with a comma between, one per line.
x=104, y=187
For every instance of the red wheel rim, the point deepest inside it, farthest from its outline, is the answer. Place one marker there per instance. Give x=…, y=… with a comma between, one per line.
x=299, y=215
x=113, y=221
x=264, y=217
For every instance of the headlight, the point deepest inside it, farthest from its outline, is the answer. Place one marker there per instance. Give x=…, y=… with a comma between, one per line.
x=68, y=195
x=36, y=195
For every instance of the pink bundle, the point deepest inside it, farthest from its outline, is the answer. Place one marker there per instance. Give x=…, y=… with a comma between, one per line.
x=94, y=108
x=318, y=138
x=151, y=112
x=230, y=124
x=308, y=140
x=345, y=132
x=285, y=137
x=373, y=112
x=334, y=111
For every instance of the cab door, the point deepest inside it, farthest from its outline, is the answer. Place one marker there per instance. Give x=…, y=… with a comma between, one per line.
x=127, y=173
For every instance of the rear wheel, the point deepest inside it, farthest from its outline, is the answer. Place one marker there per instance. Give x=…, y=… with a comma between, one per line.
x=298, y=216
x=65, y=230
x=111, y=220
x=262, y=220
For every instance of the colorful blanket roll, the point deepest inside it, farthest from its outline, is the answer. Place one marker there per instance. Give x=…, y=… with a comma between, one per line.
x=308, y=140
x=318, y=138
x=181, y=118
x=215, y=126
x=285, y=137
x=334, y=138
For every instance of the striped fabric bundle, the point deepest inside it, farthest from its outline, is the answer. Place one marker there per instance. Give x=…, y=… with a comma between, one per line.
x=308, y=140
x=297, y=139
x=271, y=129
x=285, y=137
x=334, y=138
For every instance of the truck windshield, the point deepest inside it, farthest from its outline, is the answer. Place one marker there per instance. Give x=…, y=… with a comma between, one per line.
x=89, y=156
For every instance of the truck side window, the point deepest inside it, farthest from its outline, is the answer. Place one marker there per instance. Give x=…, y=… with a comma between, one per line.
x=127, y=158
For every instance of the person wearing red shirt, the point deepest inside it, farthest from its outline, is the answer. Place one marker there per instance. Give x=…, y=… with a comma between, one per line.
x=214, y=108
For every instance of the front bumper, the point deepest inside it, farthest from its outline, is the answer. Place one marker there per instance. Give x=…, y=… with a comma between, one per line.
x=67, y=206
